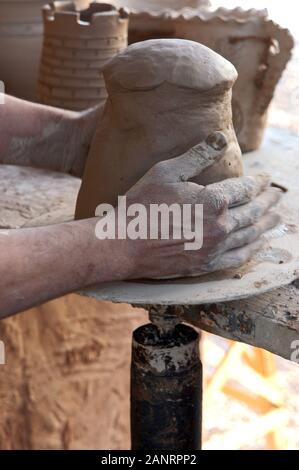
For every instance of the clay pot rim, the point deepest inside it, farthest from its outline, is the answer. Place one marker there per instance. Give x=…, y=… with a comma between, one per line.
x=83, y=17
x=238, y=14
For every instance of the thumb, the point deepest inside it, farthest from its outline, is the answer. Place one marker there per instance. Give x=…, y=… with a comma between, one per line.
x=196, y=159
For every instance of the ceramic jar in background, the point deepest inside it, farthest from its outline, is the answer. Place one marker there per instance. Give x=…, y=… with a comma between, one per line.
x=76, y=46
x=21, y=33
x=160, y=5
x=258, y=48
x=20, y=45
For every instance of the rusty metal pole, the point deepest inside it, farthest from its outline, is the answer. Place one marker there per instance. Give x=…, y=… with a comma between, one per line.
x=166, y=384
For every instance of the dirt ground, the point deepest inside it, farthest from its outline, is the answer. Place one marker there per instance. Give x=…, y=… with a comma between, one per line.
x=229, y=424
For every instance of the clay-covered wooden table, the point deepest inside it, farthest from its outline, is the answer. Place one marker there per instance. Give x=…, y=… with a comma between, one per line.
x=67, y=373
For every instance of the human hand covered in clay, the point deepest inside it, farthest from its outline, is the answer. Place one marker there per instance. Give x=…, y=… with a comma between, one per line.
x=52, y=261
x=235, y=215
x=45, y=137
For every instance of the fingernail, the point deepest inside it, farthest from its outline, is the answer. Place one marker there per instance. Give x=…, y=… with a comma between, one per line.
x=217, y=141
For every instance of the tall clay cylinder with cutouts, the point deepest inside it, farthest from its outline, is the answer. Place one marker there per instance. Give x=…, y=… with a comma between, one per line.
x=76, y=46
x=21, y=37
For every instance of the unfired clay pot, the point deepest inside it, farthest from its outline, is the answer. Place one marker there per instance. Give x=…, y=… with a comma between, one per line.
x=21, y=33
x=165, y=96
x=258, y=48
x=76, y=46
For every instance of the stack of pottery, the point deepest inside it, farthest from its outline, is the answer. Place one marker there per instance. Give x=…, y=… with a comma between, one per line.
x=77, y=44
x=258, y=48
x=21, y=33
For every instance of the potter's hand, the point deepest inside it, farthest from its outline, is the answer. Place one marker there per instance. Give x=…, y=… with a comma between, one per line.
x=235, y=215
x=44, y=137
x=42, y=263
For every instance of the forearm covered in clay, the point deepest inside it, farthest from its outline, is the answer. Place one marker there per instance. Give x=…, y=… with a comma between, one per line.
x=45, y=137
x=40, y=264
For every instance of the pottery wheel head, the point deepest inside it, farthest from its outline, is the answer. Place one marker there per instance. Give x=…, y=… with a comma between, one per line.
x=149, y=64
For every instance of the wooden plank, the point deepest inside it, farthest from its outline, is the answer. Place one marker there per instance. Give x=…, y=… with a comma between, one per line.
x=269, y=321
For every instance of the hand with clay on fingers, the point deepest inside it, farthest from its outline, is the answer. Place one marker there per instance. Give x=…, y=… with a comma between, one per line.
x=55, y=260
x=236, y=214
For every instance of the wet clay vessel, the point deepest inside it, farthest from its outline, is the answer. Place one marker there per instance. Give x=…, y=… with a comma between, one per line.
x=258, y=48
x=165, y=96
x=76, y=46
